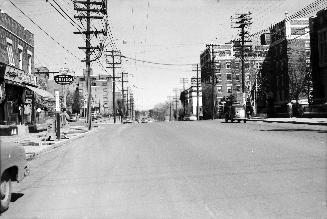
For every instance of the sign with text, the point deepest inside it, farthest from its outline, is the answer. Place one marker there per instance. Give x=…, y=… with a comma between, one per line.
x=64, y=79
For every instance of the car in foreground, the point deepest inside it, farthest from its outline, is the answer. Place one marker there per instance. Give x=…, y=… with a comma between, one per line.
x=13, y=167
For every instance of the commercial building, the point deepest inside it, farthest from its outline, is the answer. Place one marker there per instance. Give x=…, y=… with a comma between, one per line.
x=18, y=87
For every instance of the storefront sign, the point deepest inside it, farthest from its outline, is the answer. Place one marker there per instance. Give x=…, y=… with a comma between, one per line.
x=19, y=76
x=64, y=79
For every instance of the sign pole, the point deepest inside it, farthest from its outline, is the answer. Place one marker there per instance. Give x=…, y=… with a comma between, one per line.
x=57, y=114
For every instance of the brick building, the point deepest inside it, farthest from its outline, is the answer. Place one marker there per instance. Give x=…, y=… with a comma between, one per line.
x=318, y=36
x=17, y=82
x=285, y=71
x=101, y=91
x=228, y=74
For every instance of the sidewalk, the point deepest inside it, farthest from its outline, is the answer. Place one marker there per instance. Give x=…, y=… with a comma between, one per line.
x=36, y=144
x=308, y=121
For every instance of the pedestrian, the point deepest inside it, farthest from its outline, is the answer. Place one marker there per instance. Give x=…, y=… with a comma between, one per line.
x=290, y=109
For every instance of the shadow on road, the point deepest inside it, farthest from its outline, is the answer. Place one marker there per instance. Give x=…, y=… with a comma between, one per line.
x=293, y=130
x=16, y=196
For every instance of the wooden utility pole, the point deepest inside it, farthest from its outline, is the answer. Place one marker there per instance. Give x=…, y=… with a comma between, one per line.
x=113, y=62
x=176, y=90
x=242, y=22
x=122, y=90
x=197, y=92
x=98, y=7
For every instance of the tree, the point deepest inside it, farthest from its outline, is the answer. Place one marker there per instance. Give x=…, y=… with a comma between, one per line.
x=77, y=101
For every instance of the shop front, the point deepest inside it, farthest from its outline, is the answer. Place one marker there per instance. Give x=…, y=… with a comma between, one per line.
x=18, y=93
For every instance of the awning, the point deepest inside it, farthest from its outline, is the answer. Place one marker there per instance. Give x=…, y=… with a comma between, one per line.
x=42, y=93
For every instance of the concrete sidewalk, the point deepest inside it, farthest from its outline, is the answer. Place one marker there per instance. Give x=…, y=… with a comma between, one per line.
x=36, y=143
x=308, y=121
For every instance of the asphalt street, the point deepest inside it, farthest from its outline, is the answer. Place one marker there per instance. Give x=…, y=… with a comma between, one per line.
x=203, y=169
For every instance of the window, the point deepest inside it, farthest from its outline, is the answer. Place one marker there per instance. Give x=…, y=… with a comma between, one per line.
x=228, y=52
x=237, y=64
x=237, y=77
x=10, y=52
x=29, y=57
x=227, y=65
x=219, y=89
x=238, y=88
x=20, y=56
x=229, y=76
x=246, y=65
x=218, y=76
x=229, y=88
x=247, y=77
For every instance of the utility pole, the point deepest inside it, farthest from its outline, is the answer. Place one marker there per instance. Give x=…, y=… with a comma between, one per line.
x=98, y=7
x=242, y=22
x=127, y=113
x=113, y=64
x=184, y=81
x=122, y=90
x=197, y=92
x=131, y=104
x=213, y=78
x=176, y=90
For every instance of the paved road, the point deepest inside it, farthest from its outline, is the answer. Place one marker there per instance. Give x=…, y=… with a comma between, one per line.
x=205, y=169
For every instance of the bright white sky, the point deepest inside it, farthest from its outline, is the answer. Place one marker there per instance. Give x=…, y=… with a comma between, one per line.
x=165, y=31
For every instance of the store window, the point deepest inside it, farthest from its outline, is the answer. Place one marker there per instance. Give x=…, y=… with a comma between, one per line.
x=29, y=58
x=10, y=52
x=20, y=56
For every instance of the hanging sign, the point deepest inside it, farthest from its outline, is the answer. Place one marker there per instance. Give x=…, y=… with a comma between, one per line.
x=64, y=79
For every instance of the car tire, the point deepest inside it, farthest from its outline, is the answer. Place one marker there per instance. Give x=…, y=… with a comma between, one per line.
x=5, y=192
x=238, y=121
x=244, y=121
x=226, y=120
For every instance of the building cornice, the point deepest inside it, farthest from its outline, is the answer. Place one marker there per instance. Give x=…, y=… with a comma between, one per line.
x=16, y=36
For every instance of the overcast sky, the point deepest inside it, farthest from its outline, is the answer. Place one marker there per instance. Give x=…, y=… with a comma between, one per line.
x=163, y=31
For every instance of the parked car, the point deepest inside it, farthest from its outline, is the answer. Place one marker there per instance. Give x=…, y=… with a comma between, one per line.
x=190, y=118
x=72, y=118
x=235, y=112
x=127, y=120
x=13, y=167
x=144, y=120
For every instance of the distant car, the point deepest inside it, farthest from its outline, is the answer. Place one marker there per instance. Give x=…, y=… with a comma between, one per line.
x=144, y=120
x=13, y=167
x=127, y=120
x=190, y=118
x=72, y=118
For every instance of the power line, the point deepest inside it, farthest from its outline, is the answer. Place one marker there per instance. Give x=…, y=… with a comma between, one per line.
x=156, y=63
x=44, y=30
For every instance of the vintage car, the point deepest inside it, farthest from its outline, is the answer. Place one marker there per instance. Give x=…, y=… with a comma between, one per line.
x=13, y=167
x=235, y=112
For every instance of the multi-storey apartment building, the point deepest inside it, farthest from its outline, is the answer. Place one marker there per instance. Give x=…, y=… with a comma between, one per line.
x=287, y=63
x=226, y=67
x=101, y=91
x=17, y=82
x=318, y=36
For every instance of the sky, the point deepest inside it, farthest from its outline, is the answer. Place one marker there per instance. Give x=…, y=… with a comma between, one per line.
x=172, y=32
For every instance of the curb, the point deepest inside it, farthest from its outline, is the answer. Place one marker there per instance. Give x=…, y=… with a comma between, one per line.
x=291, y=122
x=32, y=156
